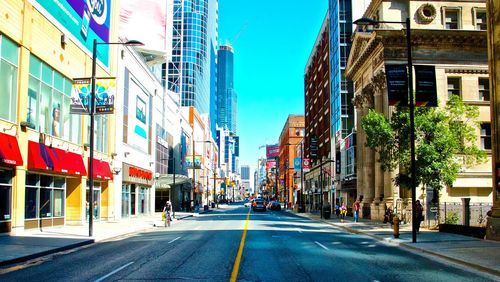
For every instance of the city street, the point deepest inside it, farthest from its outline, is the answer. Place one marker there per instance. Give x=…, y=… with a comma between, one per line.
x=277, y=246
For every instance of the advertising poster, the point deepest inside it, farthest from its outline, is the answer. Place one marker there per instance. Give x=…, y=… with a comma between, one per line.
x=138, y=116
x=105, y=91
x=297, y=164
x=197, y=162
x=306, y=164
x=82, y=20
x=270, y=164
x=397, y=84
x=272, y=151
x=425, y=82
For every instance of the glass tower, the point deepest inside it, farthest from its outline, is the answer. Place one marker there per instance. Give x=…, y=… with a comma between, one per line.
x=342, y=109
x=226, y=96
x=194, y=36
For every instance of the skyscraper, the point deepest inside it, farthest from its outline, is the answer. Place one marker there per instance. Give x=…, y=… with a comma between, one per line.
x=194, y=37
x=226, y=95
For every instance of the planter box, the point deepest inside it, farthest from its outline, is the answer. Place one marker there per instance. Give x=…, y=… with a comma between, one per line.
x=472, y=231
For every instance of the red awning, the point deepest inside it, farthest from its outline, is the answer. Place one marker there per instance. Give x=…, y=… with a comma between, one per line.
x=38, y=157
x=67, y=162
x=101, y=170
x=9, y=150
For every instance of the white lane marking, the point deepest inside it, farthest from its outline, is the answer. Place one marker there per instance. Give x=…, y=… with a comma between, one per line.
x=300, y=231
x=174, y=240
x=321, y=245
x=113, y=272
x=197, y=228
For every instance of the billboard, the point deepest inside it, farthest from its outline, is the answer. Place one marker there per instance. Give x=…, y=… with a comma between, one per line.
x=270, y=164
x=135, y=15
x=272, y=151
x=82, y=21
x=105, y=91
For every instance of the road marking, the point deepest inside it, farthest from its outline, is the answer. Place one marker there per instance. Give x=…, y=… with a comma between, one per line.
x=236, y=266
x=113, y=272
x=174, y=240
x=321, y=245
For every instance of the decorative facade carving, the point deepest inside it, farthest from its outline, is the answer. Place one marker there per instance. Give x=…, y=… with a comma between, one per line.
x=426, y=13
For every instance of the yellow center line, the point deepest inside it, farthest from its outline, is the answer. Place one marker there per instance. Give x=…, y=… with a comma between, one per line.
x=236, y=265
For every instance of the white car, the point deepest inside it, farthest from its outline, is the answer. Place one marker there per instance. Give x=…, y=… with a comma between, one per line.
x=248, y=204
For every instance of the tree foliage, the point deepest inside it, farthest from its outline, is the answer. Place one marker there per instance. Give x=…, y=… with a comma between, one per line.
x=445, y=142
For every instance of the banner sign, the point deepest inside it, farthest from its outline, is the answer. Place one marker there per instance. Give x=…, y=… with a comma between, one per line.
x=296, y=164
x=425, y=81
x=397, y=84
x=270, y=164
x=105, y=91
x=306, y=164
x=272, y=151
x=82, y=20
x=197, y=162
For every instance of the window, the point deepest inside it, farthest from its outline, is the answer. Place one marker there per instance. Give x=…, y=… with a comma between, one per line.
x=453, y=86
x=451, y=18
x=480, y=19
x=49, y=95
x=484, y=89
x=44, y=196
x=486, y=136
x=9, y=57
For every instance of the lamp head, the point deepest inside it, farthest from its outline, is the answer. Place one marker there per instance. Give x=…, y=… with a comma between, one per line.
x=134, y=43
x=365, y=21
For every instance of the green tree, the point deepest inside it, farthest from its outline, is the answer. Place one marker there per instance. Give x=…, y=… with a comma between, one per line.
x=445, y=142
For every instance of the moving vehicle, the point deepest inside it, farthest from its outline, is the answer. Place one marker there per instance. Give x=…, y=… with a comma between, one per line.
x=275, y=206
x=259, y=205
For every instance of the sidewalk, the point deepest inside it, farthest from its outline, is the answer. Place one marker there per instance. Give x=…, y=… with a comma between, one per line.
x=482, y=255
x=35, y=243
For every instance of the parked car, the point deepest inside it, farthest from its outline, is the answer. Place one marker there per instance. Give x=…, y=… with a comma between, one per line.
x=259, y=205
x=275, y=206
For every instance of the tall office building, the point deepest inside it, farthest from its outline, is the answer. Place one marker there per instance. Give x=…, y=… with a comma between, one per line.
x=194, y=37
x=226, y=95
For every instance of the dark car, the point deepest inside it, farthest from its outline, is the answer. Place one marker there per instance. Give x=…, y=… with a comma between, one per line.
x=275, y=206
x=259, y=205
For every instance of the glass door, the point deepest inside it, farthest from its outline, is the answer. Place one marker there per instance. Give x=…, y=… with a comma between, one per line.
x=132, y=200
x=125, y=200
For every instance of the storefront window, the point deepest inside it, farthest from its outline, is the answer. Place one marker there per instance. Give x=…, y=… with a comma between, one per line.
x=96, y=198
x=132, y=200
x=5, y=194
x=142, y=200
x=44, y=196
x=49, y=95
x=9, y=57
x=125, y=201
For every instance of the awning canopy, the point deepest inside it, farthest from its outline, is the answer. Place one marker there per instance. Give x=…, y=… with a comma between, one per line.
x=38, y=157
x=165, y=181
x=101, y=170
x=67, y=162
x=9, y=150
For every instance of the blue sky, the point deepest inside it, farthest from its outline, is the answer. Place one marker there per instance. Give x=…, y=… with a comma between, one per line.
x=270, y=56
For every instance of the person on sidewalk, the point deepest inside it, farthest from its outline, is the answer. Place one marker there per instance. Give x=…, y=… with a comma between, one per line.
x=167, y=211
x=355, y=210
x=343, y=212
x=419, y=215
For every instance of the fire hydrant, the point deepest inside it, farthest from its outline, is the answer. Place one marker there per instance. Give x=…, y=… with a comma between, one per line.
x=396, y=227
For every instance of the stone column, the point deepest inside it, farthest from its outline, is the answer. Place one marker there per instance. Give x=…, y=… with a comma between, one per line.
x=493, y=10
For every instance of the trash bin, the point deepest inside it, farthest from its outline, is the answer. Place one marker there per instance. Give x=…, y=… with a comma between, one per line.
x=213, y=205
x=326, y=212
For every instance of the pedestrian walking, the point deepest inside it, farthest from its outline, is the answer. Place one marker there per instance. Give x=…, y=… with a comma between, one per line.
x=337, y=210
x=167, y=211
x=343, y=212
x=419, y=215
x=355, y=210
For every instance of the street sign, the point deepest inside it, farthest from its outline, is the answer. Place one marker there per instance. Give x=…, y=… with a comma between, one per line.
x=296, y=164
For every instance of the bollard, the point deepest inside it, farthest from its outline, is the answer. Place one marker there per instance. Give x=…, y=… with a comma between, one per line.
x=396, y=227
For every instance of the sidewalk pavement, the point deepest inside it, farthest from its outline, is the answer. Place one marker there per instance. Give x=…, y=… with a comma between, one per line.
x=33, y=243
x=482, y=255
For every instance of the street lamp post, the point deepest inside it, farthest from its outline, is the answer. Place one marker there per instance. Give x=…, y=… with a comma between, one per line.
x=369, y=21
x=91, y=113
x=301, y=177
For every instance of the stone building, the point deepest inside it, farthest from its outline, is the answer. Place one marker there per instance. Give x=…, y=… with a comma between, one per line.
x=448, y=35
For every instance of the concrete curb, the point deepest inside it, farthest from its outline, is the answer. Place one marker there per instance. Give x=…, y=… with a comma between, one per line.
x=47, y=252
x=408, y=246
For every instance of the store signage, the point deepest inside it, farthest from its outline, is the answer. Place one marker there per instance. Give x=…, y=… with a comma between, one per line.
x=134, y=174
x=272, y=151
x=197, y=162
x=425, y=81
x=397, y=84
x=105, y=91
x=270, y=164
x=306, y=164
x=296, y=164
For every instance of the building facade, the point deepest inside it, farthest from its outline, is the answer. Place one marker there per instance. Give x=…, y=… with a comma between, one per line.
x=437, y=29
x=317, y=121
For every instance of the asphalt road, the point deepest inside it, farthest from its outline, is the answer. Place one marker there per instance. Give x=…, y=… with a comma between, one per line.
x=277, y=246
